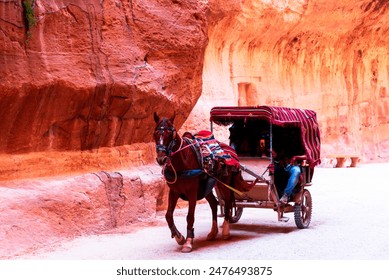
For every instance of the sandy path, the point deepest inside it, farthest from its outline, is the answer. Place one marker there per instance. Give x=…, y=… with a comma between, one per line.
x=349, y=222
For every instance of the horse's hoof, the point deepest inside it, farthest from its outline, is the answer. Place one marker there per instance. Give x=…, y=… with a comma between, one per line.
x=187, y=248
x=226, y=236
x=180, y=239
x=211, y=236
x=213, y=233
x=226, y=230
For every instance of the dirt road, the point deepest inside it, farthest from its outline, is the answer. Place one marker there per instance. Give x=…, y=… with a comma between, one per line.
x=349, y=222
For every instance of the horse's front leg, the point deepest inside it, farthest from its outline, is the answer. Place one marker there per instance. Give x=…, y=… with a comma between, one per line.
x=213, y=204
x=187, y=247
x=172, y=202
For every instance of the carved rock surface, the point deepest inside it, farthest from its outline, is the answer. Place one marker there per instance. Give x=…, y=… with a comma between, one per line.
x=78, y=89
x=326, y=55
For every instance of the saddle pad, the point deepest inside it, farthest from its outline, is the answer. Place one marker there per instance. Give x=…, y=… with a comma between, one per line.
x=210, y=148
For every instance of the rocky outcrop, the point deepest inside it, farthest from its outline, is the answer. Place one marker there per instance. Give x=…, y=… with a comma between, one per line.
x=83, y=75
x=39, y=212
x=79, y=83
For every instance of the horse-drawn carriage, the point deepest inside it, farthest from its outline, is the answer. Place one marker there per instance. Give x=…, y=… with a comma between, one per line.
x=255, y=132
x=194, y=164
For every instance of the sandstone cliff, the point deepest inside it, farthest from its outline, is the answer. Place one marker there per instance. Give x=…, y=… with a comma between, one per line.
x=87, y=75
x=79, y=82
x=329, y=56
x=83, y=75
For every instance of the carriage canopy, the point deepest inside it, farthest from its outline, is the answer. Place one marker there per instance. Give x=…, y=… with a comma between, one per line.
x=283, y=117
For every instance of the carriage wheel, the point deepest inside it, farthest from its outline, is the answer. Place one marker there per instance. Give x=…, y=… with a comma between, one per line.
x=303, y=211
x=236, y=214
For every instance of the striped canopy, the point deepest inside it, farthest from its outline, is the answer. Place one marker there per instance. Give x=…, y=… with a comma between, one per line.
x=279, y=116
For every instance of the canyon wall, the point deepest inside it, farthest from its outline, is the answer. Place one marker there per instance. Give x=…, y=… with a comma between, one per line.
x=79, y=83
x=80, y=80
x=78, y=77
x=43, y=212
x=329, y=56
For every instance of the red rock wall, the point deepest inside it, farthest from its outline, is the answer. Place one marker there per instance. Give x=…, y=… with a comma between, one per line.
x=329, y=56
x=91, y=73
x=43, y=212
x=77, y=95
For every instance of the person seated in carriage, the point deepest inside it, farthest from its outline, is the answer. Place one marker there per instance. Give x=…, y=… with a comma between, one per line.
x=263, y=146
x=236, y=132
x=249, y=138
x=287, y=172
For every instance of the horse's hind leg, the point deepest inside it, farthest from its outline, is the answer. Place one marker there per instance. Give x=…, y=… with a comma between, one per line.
x=213, y=204
x=228, y=198
x=226, y=229
x=173, y=198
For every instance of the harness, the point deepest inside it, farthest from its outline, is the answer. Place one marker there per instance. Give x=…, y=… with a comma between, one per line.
x=208, y=153
x=184, y=173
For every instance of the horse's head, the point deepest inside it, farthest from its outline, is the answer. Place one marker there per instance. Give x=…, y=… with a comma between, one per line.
x=165, y=137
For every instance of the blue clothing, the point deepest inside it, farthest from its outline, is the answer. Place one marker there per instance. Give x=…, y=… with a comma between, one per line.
x=294, y=175
x=289, y=176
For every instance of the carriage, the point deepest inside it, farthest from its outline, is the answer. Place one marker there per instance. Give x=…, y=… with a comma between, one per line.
x=255, y=132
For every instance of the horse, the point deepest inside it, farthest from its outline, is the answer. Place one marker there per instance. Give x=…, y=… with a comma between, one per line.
x=187, y=179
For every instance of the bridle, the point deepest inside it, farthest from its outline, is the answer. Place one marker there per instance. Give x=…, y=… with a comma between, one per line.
x=167, y=149
x=160, y=146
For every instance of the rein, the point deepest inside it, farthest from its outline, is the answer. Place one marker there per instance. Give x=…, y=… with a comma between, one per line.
x=180, y=148
x=227, y=186
x=169, y=163
x=187, y=173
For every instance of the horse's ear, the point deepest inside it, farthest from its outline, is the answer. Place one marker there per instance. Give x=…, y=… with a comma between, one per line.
x=172, y=118
x=156, y=117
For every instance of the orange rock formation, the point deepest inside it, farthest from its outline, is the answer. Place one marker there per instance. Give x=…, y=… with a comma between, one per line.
x=86, y=75
x=329, y=56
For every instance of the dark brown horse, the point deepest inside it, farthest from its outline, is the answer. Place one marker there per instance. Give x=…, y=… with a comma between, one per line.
x=187, y=180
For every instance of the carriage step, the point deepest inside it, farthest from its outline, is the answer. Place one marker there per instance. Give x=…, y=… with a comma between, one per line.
x=284, y=219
